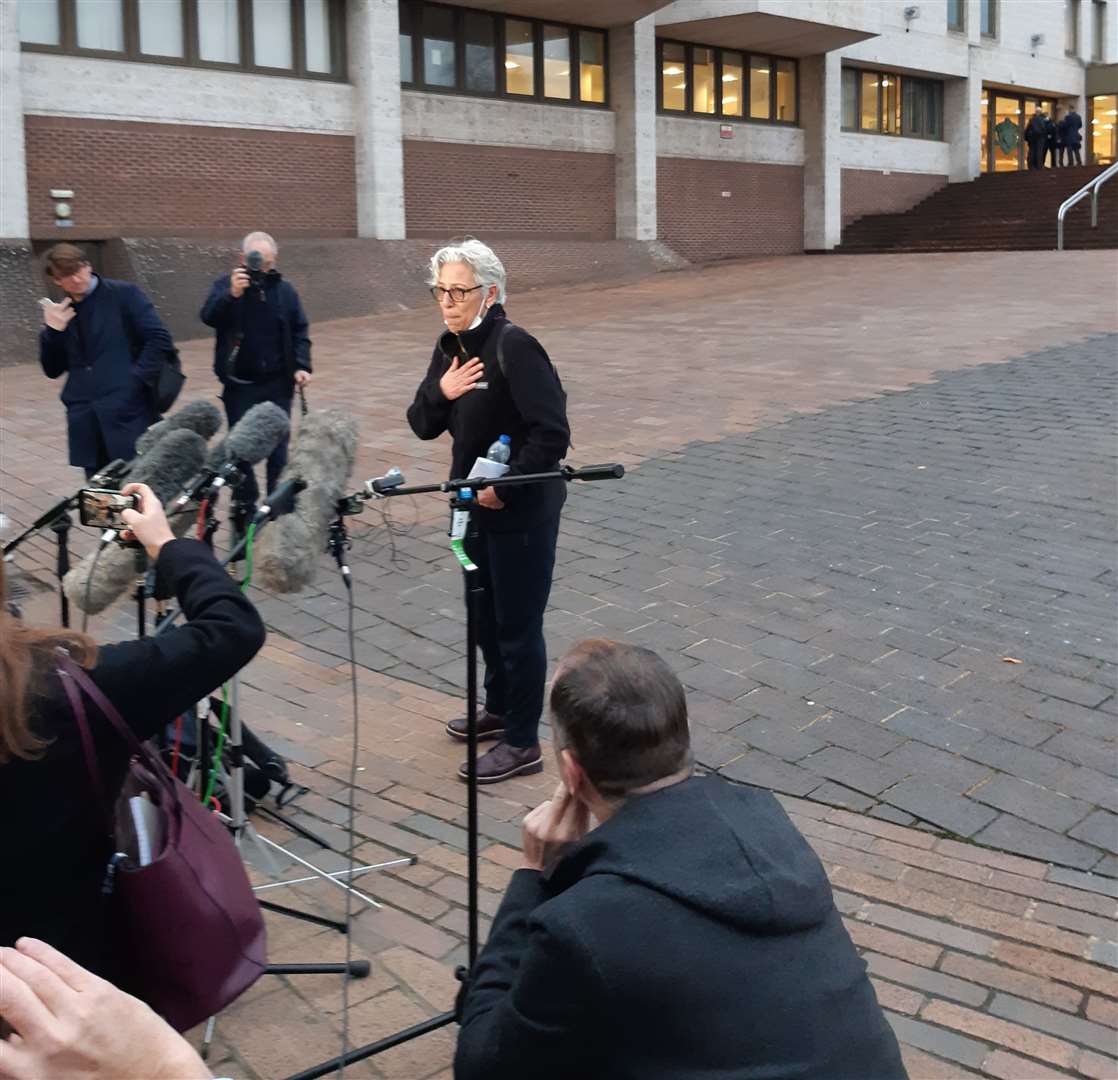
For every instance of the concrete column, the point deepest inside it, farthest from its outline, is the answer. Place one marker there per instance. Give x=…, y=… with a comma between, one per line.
x=962, y=124
x=374, y=64
x=14, y=223
x=821, y=118
x=632, y=64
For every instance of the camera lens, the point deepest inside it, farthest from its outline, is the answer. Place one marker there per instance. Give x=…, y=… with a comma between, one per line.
x=254, y=261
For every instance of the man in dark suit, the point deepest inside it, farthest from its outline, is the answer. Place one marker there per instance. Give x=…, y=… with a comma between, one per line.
x=1036, y=136
x=1071, y=137
x=262, y=350
x=691, y=933
x=1051, y=143
x=106, y=336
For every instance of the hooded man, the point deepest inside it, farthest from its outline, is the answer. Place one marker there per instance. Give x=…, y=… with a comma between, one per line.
x=691, y=933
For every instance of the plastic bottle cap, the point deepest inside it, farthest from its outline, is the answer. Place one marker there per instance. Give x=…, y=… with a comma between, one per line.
x=506, y=440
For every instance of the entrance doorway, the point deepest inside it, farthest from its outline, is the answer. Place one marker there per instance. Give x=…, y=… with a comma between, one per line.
x=1004, y=117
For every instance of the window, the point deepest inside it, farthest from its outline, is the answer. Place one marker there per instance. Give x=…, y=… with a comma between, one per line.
x=988, y=17
x=480, y=32
x=592, y=66
x=161, y=28
x=452, y=49
x=1098, y=37
x=673, y=77
x=1102, y=142
x=1071, y=27
x=291, y=37
x=100, y=25
x=957, y=15
x=557, y=62
x=706, y=81
x=889, y=104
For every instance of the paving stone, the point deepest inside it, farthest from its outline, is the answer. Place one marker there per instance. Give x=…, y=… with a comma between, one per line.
x=1008, y=832
x=938, y=1041
x=1033, y=803
x=1016, y=760
x=933, y=730
x=764, y=770
x=778, y=738
x=1100, y=829
x=942, y=807
x=852, y=770
x=1057, y=1023
x=932, y=982
x=948, y=770
x=869, y=740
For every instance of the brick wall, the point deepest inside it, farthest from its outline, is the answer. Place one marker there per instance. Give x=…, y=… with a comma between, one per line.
x=186, y=180
x=497, y=192
x=867, y=191
x=763, y=214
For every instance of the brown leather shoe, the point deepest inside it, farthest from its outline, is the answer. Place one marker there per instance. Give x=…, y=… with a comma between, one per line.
x=505, y=761
x=488, y=727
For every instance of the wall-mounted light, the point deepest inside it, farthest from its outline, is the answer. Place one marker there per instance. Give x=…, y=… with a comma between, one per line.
x=911, y=13
x=63, y=210
x=1035, y=42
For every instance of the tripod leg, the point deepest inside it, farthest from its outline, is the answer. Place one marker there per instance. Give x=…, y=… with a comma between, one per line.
x=355, y=969
x=207, y=1038
x=473, y=603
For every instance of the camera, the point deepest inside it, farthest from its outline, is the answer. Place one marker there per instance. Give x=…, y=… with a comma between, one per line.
x=102, y=507
x=254, y=264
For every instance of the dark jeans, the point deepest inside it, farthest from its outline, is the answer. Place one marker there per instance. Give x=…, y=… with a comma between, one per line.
x=238, y=398
x=515, y=571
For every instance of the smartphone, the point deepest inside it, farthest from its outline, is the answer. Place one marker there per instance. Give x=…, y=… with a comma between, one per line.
x=102, y=507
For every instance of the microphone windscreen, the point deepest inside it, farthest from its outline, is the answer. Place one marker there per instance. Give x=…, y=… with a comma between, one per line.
x=253, y=437
x=201, y=417
x=322, y=458
x=94, y=583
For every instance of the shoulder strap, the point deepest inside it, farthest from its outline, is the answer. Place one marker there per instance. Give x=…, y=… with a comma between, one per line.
x=77, y=707
x=501, y=331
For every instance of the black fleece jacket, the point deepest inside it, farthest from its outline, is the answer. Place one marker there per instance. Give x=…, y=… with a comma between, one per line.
x=525, y=402
x=52, y=830
x=692, y=936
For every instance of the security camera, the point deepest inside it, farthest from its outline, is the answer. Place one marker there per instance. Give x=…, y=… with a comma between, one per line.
x=1036, y=39
x=912, y=12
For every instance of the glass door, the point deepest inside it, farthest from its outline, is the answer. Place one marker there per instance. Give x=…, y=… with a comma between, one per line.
x=1006, y=135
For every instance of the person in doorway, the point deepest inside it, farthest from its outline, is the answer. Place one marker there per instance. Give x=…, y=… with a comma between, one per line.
x=1036, y=138
x=489, y=378
x=1071, y=136
x=691, y=932
x=262, y=350
x=107, y=338
x=1051, y=143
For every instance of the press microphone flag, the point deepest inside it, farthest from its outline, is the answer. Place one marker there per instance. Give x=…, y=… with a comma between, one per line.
x=201, y=417
x=250, y=441
x=321, y=460
x=96, y=582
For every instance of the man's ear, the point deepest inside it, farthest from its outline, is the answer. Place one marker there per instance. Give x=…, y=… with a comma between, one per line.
x=574, y=776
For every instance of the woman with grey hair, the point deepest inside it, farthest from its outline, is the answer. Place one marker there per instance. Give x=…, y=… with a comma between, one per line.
x=489, y=378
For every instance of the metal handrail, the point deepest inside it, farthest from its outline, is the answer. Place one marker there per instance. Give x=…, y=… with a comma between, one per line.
x=1091, y=189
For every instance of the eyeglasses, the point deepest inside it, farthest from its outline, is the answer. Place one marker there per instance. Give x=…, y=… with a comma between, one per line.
x=455, y=293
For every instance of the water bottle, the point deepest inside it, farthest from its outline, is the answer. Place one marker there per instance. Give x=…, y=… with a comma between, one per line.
x=500, y=451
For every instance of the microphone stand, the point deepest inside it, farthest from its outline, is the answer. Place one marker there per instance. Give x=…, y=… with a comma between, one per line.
x=462, y=499
x=58, y=520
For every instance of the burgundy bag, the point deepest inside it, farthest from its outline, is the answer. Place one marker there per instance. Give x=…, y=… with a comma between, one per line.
x=185, y=932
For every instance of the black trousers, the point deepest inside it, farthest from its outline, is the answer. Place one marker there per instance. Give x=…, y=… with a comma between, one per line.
x=1036, y=155
x=238, y=398
x=1072, y=152
x=515, y=571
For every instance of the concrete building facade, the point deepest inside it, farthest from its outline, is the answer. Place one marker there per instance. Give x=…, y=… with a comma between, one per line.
x=720, y=127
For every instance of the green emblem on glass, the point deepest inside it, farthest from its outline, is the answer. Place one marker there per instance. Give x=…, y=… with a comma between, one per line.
x=1007, y=133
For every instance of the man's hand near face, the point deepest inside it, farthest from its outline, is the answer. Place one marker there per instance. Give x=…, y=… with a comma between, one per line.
x=552, y=827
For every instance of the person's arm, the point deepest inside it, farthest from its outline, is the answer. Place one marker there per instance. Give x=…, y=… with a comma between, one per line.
x=429, y=413
x=531, y=1003
x=149, y=329
x=156, y=678
x=219, y=310
x=52, y=352
x=538, y=398
x=300, y=334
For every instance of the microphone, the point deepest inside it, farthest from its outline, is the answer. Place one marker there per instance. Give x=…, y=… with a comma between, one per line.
x=378, y=485
x=110, y=474
x=321, y=460
x=251, y=440
x=279, y=502
x=598, y=472
x=201, y=417
x=96, y=581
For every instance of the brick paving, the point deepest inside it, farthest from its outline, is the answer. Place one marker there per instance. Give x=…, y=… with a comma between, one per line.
x=844, y=511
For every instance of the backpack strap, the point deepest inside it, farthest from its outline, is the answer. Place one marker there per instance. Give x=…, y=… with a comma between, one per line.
x=501, y=331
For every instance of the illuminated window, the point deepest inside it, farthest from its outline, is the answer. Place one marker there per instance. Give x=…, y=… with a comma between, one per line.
x=703, y=98
x=592, y=66
x=673, y=77
x=760, y=82
x=557, y=62
x=733, y=88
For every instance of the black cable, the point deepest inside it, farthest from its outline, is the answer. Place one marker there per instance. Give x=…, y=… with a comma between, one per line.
x=89, y=584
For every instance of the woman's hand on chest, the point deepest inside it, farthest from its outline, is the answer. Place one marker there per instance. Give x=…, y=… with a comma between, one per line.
x=459, y=379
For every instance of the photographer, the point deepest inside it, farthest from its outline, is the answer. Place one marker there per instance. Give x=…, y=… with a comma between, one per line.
x=488, y=378
x=691, y=933
x=107, y=338
x=261, y=350
x=53, y=834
